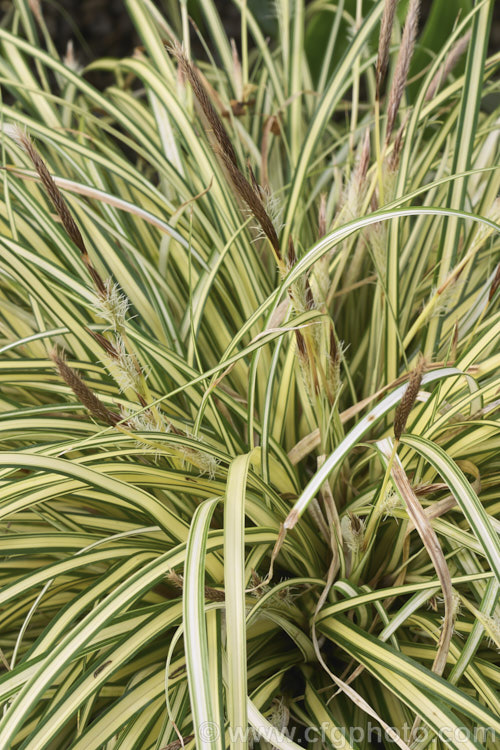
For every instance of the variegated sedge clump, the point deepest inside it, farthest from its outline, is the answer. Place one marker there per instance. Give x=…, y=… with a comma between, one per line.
x=249, y=380
x=112, y=305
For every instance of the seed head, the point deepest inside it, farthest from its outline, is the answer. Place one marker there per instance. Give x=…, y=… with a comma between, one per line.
x=61, y=207
x=190, y=72
x=83, y=393
x=226, y=153
x=409, y=397
x=112, y=305
x=124, y=367
x=384, y=42
x=353, y=531
x=280, y=714
x=402, y=65
x=449, y=63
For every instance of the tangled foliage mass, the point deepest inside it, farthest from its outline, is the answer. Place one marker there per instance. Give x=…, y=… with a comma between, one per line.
x=249, y=438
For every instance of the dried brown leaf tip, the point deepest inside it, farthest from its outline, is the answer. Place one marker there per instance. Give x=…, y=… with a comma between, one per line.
x=36, y=9
x=409, y=397
x=70, y=59
x=83, y=393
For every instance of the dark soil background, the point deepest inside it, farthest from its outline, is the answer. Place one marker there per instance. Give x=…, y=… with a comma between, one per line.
x=102, y=28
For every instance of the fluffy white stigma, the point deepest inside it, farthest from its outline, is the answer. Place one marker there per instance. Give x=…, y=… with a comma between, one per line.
x=15, y=133
x=113, y=306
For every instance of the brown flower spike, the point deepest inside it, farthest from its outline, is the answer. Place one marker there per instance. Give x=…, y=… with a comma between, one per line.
x=409, y=397
x=225, y=151
x=57, y=200
x=83, y=393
